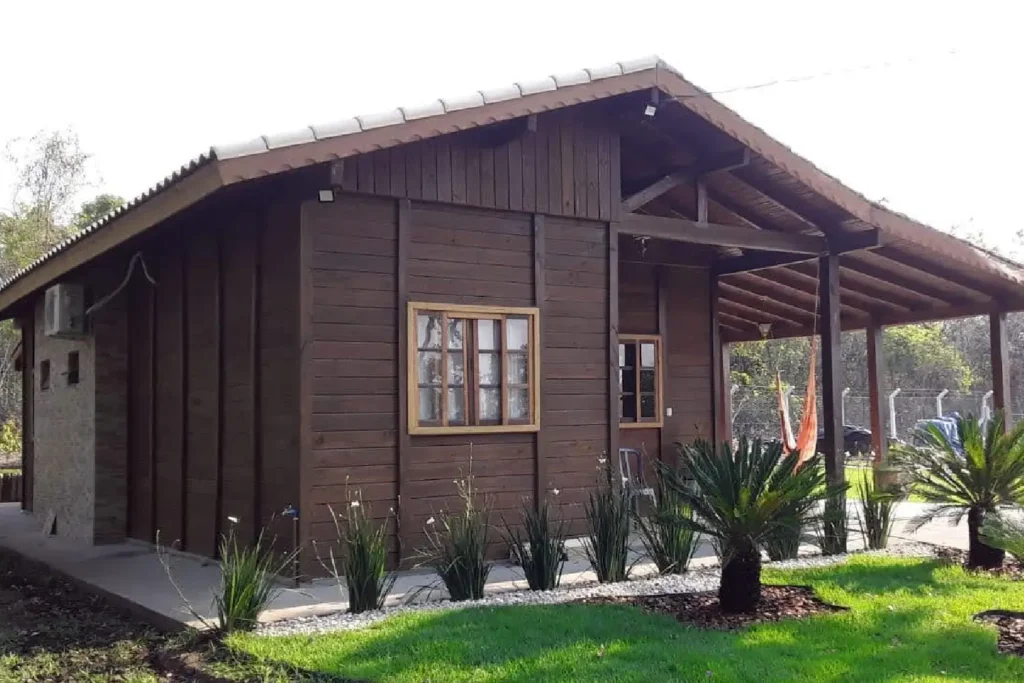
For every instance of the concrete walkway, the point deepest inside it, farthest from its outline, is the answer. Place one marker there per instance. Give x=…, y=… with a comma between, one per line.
x=131, y=573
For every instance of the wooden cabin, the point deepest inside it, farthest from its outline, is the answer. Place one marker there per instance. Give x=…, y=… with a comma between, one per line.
x=514, y=284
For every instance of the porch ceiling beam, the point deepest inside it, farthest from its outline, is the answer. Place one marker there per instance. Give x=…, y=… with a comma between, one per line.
x=726, y=161
x=900, y=276
x=682, y=230
x=874, y=297
x=781, y=198
x=852, y=242
x=778, y=290
x=785, y=309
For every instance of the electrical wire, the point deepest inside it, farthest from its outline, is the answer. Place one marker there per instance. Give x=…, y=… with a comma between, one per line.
x=844, y=71
x=136, y=257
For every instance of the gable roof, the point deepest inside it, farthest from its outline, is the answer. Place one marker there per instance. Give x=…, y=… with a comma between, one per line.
x=228, y=164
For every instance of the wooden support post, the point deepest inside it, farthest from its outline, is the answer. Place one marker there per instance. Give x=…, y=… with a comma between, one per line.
x=877, y=393
x=662, y=275
x=717, y=378
x=404, y=440
x=540, y=448
x=613, y=341
x=1001, y=398
x=831, y=368
x=725, y=396
x=702, y=202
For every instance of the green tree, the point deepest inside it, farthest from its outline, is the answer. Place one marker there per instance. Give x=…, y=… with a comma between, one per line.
x=95, y=209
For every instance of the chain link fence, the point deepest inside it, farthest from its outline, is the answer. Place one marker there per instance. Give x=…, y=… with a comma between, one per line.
x=755, y=409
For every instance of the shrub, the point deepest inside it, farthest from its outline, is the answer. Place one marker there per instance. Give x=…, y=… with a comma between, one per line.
x=832, y=526
x=783, y=542
x=876, y=513
x=364, y=562
x=1005, y=533
x=248, y=581
x=740, y=496
x=972, y=473
x=666, y=534
x=457, y=545
x=538, y=546
x=607, y=541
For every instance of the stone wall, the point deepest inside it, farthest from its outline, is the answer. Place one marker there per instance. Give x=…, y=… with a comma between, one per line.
x=65, y=434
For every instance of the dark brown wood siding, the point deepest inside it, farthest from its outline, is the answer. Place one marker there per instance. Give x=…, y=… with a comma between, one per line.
x=220, y=325
x=687, y=354
x=638, y=314
x=354, y=356
x=564, y=168
x=574, y=363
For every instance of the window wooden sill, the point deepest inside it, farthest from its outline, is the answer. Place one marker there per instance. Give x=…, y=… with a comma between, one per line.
x=641, y=425
x=474, y=429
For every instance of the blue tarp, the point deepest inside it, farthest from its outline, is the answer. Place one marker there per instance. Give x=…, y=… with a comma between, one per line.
x=945, y=424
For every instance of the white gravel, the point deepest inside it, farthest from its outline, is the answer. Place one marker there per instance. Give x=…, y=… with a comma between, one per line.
x=695, y=581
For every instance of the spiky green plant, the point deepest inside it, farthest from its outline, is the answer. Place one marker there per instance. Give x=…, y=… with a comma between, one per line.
x=1006, y=533
x=667, y=539
x=608, y=512
x=457, y=545
x=248, y=581
x=784, y=542
x=740, y=497
x=364, y=547
x=974, y=477
x=876, y=512
x=832, y=526
x=538, y=546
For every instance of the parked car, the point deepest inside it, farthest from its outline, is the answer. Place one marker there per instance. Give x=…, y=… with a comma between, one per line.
x=856, y=441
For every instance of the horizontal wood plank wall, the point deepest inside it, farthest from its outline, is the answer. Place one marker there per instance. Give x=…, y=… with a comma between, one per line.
x=574, y=363
x=201, y=289
x=241, y=242
x=279, y=361
x=496, y=271
x=688, y=389
x=355, y=356
x=567, y=167
x=169, y=366
x=638, y=314
x=141, y=484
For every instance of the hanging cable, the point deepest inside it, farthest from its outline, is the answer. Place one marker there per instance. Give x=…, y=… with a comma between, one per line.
x=136, y=258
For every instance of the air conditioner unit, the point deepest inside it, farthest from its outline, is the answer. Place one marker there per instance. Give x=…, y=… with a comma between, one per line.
x=65, y=311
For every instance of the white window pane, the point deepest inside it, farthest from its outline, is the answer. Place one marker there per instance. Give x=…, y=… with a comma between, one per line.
x=457, y=368
x=428, y=331
x=490, y=368
x=456, y=406
x=430, y=405
x=455, y=332
x=488, y=335
x=622, y=355
x=490, y=405
x=519, y=404
x=518, y=330
x=516, y=371
x=429, y=367
x=647, y=355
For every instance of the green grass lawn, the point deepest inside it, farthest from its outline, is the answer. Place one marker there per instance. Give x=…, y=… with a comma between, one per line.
x=910, y=620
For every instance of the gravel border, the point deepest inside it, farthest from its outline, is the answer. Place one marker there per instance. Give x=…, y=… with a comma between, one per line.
x=694, y=581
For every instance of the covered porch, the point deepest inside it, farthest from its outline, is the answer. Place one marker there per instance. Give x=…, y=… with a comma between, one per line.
x=793, y=252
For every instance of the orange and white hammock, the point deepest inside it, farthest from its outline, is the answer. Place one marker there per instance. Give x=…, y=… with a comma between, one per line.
x=806, y=441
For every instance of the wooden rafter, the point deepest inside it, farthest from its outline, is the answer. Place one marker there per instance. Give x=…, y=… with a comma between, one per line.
x=855, y=293
x=712, y=164
x=785, y=309
x=682, y=230
x=841, y=245
x=761, y=285
x=898, y=276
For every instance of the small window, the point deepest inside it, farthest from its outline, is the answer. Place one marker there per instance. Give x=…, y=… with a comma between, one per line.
x=72, y=368
x=640, y=381
x=44, y=375
x=472, y=369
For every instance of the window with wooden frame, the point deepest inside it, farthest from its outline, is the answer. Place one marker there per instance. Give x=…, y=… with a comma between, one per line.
x=640, y=403
x=473, y=369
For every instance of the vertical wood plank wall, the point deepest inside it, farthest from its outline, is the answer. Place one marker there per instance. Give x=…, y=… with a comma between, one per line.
x=204, y=442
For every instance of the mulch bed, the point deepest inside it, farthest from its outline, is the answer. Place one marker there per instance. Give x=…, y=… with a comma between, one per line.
x=1011, y=569
x=1011, y=630
x=701, y=610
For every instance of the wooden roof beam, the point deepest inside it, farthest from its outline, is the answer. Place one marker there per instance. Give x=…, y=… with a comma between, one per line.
x=725, y=161
x=905, y=277
x=682, y=230
x=763, y=285
x=786, y=309
x=846, y=243
x=804, y=277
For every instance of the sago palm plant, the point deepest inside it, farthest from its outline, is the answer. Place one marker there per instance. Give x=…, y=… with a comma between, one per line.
x=972, y=477
x=740, y=497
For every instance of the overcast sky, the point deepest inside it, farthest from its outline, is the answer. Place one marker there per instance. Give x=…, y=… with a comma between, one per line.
x=933, y=127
